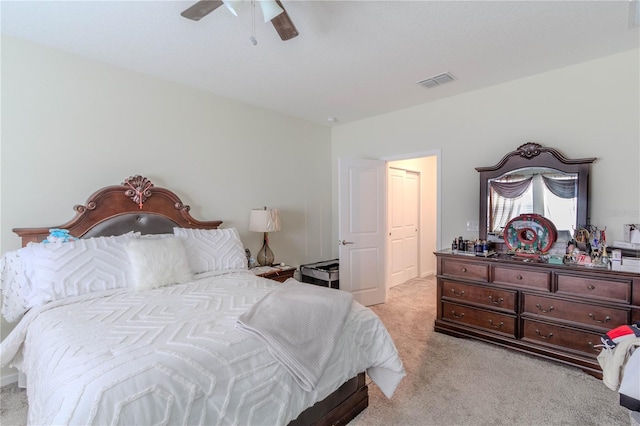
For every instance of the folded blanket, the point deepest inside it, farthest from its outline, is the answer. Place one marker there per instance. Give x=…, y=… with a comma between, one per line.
x=300, y=324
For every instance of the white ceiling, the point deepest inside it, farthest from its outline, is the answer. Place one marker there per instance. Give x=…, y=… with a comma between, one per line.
x=352, y=59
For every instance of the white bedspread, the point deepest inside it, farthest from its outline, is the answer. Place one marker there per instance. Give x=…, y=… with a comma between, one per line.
x=299, y=324
x=172, y=356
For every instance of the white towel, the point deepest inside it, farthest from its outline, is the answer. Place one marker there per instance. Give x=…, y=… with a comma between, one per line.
x=300, y=324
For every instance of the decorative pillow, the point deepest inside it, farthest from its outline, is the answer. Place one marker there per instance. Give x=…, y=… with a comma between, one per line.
x=156, y=236
x=14, y=285
x=59, y=270
x=213, y=249
x=158, y=262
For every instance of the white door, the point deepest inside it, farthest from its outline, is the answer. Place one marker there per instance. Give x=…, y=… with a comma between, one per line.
x=361, y=229
x=403, y=216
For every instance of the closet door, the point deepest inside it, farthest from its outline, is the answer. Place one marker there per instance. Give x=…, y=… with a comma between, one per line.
x=403, y=214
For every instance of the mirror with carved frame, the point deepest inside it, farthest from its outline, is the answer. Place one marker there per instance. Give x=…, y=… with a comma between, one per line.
x=534, y=179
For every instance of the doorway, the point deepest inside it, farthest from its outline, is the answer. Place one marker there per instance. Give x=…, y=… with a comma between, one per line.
x=363, y=226
x=403, y=212
x=413, y=216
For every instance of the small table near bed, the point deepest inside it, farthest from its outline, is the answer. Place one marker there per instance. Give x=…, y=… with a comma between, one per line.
x=277, y=272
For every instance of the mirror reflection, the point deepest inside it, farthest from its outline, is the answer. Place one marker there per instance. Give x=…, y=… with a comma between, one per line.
x=545, y=191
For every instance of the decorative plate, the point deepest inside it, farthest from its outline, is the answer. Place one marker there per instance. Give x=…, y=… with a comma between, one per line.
x=530, y=233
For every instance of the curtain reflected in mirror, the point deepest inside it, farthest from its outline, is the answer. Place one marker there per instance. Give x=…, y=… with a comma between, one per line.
x=544, y=191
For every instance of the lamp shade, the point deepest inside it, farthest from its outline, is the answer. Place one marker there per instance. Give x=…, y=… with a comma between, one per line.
x=232, y=5
x=270, y=9
x=264, y=220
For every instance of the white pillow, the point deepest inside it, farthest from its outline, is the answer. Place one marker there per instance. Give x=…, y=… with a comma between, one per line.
x=59, y=270
x=213, y=249
x=156, y=236
x=14, y=285
x=158, y=262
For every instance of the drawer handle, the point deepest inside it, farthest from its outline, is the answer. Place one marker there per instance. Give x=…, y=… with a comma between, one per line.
x=519, y=277
x=591, y=287
x=463, y=269
x=593, y=347
x=496, y=326
x=606, y=319
x=551, y=308
x=497, y=301
x=547, y=337
x=455, y=293
x=453, y=313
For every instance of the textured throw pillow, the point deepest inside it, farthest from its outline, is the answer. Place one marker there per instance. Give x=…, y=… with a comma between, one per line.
x=59, y=270
x=156, y=236
x=213, y=249
x=14, y=285
x=158, y=262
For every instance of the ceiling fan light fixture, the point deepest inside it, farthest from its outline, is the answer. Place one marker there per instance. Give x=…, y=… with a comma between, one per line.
x=270, y=9
x=232, y=5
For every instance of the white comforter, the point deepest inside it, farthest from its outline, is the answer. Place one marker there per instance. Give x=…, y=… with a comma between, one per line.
x=172, y=356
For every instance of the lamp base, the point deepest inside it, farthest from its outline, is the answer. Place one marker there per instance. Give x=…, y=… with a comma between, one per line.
x=265, y=255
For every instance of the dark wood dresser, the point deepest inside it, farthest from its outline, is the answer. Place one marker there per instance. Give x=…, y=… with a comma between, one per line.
x=556, y=312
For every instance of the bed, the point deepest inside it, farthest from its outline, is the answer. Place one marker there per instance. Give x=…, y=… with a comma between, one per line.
x=147, y=331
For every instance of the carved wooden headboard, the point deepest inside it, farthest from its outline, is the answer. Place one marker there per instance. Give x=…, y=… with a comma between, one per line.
x=134, y=205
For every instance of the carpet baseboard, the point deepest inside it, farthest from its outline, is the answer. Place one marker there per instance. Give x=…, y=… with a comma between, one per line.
x=8, y=379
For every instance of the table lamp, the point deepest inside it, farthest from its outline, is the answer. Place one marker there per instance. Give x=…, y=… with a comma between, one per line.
x=263, y=220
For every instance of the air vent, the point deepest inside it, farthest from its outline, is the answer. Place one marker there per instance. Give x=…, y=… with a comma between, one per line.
x=436, y=81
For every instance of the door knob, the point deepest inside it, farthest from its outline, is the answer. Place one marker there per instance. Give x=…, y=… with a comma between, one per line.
x=345, y=242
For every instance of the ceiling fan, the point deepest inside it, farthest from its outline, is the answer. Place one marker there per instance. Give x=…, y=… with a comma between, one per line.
x=273, y=11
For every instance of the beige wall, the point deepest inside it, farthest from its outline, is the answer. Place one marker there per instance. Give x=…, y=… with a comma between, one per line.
x=586, y=110
x=71, y=126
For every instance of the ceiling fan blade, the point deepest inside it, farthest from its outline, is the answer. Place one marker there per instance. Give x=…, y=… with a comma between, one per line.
x=284, y=25
x=201, y=9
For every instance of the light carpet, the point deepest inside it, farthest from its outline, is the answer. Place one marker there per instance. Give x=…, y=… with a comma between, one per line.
x=452, y=381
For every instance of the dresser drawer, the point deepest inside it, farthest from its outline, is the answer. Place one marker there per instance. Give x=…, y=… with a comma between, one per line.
x=592, y=315
x=595, y=288
x=493, y=321
x=491, y=297
x=522, y=278
x=562, y=337
x=462, y=269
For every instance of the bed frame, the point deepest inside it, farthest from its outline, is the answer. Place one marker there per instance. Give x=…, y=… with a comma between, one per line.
x=137, y=205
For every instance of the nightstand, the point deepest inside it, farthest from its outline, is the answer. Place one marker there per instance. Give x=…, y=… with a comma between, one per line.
x=276, y=273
